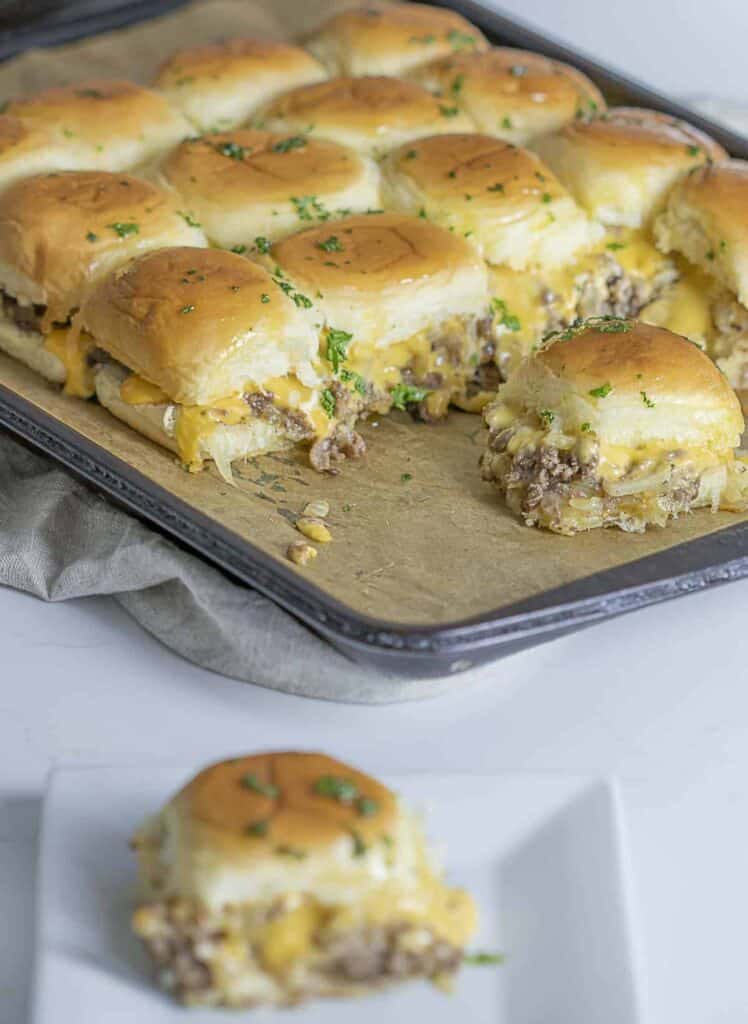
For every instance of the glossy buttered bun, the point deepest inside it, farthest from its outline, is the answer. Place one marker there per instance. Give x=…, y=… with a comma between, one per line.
x=220, y=85
x=105, y=125
x=372, y=114
x=706, y=220
x=27, y=149
x=615, y=423
x=501, y=198
x=250, y=185
x=389, y=39
x=620, y=166
x=513, y=94
x=317, y=879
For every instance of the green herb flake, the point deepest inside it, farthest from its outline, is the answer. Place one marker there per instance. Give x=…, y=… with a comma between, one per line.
x=406, y=477
x=367, y=807
x=285, y=145
x=457, y=84
x=264, y=298
x=262, y=244
x=506, y=319
x=448, y=111
x=91, y=236
x=347, y=508
x=189, y=219
x=359, y=846
x=498, y=187
x=615, y=246
x=693, y=150
x=359, y=384
x=232, y=150
x=586, y=428
x=411, y=154
x=124, y=229
x=423, y=40
x=460, y=40
x=328, y=402
x=647, y=400
x=257, y=785
x=331, y=244
x=547, y=197
x=239, y=249
x=309, y=208
x=506, y=123
x=337, y=343
x=403, y=395
x=258, y=829
x=711, y=255
x=483, y=959
x=337, y=788
x=546, y=417
x=422, y=213
x=187, y=309
x=295, y=852
x=602, y=392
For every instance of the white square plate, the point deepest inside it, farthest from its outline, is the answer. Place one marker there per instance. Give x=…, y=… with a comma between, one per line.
x=543, y=856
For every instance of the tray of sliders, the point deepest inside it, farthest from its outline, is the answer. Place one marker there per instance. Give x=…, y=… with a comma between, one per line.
x=423, y=326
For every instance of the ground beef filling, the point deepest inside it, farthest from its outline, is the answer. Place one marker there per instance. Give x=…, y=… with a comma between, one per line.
x=26, y=318
x=294, y=424
x=184, y=941
x=540, y=482
x=730, y=346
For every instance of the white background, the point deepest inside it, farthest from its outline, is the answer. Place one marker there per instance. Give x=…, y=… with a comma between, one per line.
x=659, y=698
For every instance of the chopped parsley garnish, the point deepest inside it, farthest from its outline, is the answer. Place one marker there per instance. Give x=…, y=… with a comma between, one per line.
x=359, y=384
x=187, y=309
x=547, y=197
x=451, y=174
x=647, y=400
x=602, y=392
x=291, y=851
x=331, y=244
x=91, y=236
x=403, y=395
x=693, y=150
x=185, y=80
x=422, y=213
x=448, y=111
x=711, y=255
x=327, y=401
x=481, y=959
x=585, y=428
x=722, y=245
x=498, y=187
x=337, y=343
x=124, y=229
x=456, y=86
x=424, y=40
x=406, y=477
x=347, y=508
x=460, y=40
x=546, y=417
x=258, y=785
x=506, y=123
x=296, y=297
x=239, y=249
x=342, y=790
x=359, y=846
x=232, y=150
x=365, y=806
x=264, y=298
x=293, y=142
x=309, y=208
x=262, y=244
x=615, y=246
x=189, y=219
x=411, y=154
x=258, y=828
x=507, y=319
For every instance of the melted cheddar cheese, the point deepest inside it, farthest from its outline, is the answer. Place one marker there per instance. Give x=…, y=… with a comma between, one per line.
x=685, y=307
x=73, y=348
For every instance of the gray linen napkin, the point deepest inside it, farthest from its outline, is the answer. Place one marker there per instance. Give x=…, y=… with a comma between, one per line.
x=59, y=539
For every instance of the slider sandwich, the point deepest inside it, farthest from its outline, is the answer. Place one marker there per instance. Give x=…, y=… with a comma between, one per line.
x=213, y=358
x=510, y=93
x=220, y=85
x=389, y=39
x=615, y=423
x=372, y=114
x=706, y=221
x=247, y=187
x=545, y=264
x=104, y=125
x=277, y=878
x=400, y=305
x=59, y=234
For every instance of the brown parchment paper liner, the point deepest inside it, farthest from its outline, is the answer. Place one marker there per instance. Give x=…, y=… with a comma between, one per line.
x=418, y=538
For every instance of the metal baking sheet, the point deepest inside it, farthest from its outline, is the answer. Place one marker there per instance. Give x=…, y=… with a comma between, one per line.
x=427, y=573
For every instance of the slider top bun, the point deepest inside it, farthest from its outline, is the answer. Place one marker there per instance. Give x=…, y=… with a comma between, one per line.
x=200, y=324
x=244, y=184
x=388, y=39
x=61, y=231
x=371, y=114
x=514, y=94
x=631, y=384
x=254, y=828
x=706, y=219
x=27, y=149
x=220, y=85
x=502, y=198
x=384, y=277
x=107, y=125
x=621, y=165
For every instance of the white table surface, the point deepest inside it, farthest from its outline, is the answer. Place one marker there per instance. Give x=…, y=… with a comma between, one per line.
x=658, y=698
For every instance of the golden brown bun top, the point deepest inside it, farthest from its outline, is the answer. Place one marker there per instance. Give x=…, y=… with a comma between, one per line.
x=369, y=103
x=56, y=229
x=633, y=357
x=518, y=79
x=720, y=191
x=244, y=162
x=177, y=314
x=372, y=252
x=234, y=57
x=510, y=178
x=627, y=135
x=415, y=29
x=300, y=802
x=94, y=109
x=16, y=135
